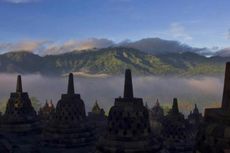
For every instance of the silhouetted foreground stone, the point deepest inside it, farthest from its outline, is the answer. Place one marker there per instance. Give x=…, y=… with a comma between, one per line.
x=98, y=119
x=20, y=124
x=68, y=128
x=156, y=116
x=20, y=116
x=128, y=128
x=45, y=113
x=177, y=134
x=195, y=117
x=214, y=137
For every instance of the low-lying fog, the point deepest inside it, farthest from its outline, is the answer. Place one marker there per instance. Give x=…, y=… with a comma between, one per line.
x=205, y=91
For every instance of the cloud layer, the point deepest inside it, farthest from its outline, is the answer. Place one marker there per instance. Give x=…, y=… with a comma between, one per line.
x=78, y=45
x=203, y=91
x=149, y=45
x=30, y=45
x=48, y=47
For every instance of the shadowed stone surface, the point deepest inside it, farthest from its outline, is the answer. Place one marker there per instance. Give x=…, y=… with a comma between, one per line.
x=6, y=146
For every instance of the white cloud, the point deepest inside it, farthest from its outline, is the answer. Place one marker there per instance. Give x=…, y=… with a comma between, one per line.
x=78, y=45
x=178, y=31
x=44, y=47
x=26, y=45
x=19, y=1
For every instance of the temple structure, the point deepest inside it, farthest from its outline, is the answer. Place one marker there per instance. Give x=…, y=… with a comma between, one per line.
x=156, y=115
x=68, y=129
x=20, y=123
x=128, y=128
x=195, y=117
x=98, y=119
x=96, y=110
x=215, y=136
x=176, y=132
x=45, y=113
x=157, y=112
x=20, y=115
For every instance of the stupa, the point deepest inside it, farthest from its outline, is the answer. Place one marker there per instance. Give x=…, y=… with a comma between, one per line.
x=46, y=111
x=97, y=110
x=68, y=129
x=20, y=123
x=156, y=115
x=128, y=128
x=176, y=131
x=20, y=115
x=98, y=119
x=157, y=112
x=195, y=117
x=214, y=137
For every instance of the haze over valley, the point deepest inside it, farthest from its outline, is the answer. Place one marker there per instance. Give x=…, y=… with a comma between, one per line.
x=204, y=91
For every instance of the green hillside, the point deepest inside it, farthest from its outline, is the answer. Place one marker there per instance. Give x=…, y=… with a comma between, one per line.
x=112, y=61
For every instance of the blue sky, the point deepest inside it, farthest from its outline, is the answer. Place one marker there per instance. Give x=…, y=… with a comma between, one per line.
x=199, y=23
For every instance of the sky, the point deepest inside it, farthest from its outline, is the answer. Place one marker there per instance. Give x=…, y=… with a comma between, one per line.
x=30, y=23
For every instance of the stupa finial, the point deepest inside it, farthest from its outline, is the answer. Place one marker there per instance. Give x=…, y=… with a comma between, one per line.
x=19, y=84
x=175, y=108
x=71, y=84
x=128, y=87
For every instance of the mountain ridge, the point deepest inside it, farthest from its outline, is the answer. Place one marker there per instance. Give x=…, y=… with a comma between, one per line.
x=112, y=61
x=160, y=46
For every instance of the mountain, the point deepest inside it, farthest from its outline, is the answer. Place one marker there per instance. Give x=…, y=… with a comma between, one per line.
x=225, y=52
x=112, y=61
x=108, y=61
x=160, y=46
x=23, y=62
